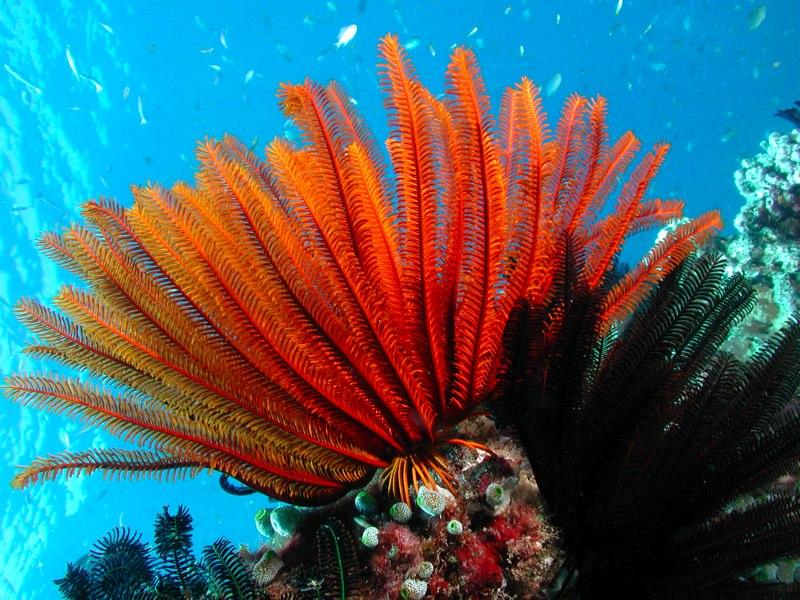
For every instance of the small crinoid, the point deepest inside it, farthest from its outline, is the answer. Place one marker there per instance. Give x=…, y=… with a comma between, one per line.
x=300, y=322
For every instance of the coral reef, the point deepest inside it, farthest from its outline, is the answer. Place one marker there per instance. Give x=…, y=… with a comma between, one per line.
x=465, y=548
x=767, y=246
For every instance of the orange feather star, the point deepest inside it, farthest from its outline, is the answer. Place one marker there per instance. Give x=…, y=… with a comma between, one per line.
x=302, y=322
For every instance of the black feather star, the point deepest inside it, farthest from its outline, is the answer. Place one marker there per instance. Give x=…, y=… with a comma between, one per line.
x=121, y=567
x=655, y=452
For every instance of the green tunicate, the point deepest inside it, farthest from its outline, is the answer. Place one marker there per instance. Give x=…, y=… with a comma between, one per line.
x=366, y=503
x=431, y=502
x=361, y=522
x=262, y=520
x=425, y=569
x=400, y=512
x=455, y=527
x=413, y=589
x=370, y=537
x=284, y=520
x=494, y=494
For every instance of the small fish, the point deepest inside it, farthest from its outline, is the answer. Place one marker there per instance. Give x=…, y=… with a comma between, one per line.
x=757, y=16
x=791, y=114
x=658, y=66
x=553, y=84
x=126, y=91
x=215, y=67
x=619, y=7
x=71, y=63
x=223, y=40
x=521, y=50
x=558, y=18
x=284, y=52
x=23, y=81
x=431, y=49
x=727, y=136
x=142, y=120
x=507, y=11
x=346, y=35
x=248, y=76
x=473, y=31
x=107, y=28
x=206, y=51
x=97, y=87
x=648, y=29
x=412, y=43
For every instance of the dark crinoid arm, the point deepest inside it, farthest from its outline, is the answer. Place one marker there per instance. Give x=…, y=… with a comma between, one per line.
x=655, y=452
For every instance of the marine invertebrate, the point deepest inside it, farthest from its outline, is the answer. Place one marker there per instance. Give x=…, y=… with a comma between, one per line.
x=494, y=494
x=365, y=502
x=284, y=520
x=180, y=575
x=431, y=501
x=226, y=574
x=425, y=569
x=413, y=589
x=120, y=565
x=300, y=322
x=267, y=567
x=370, y=537
x=263, y=522
x=454, y=527
x=645, y=438
x=337, y=561
x=400, y=512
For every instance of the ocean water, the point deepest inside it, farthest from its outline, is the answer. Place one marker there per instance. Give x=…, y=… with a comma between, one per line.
x=98, y=95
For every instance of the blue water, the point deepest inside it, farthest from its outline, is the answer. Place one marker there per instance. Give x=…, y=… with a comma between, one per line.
x=695, y=74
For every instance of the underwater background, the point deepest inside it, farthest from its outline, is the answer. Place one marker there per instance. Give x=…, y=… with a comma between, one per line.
x=96, y=96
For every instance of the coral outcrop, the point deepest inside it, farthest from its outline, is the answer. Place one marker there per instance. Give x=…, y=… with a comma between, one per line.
x=767, y=246
x=466, y=545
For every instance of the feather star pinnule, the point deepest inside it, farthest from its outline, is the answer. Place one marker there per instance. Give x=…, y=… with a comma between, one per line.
x=301, y=322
